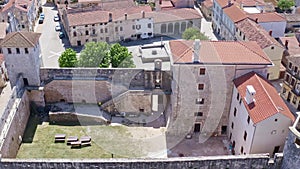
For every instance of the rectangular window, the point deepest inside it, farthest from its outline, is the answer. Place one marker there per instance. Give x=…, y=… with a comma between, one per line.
x=149, y=25
x=242, y=150
x=26, y=50
x=133, y=27
x=240, y=101
x=290, y=65
x=297, y=141
x=202, y=71
x=234, y=112
x=200, y=86
x=121, y=28
x=105, y=30
x=245, y=135
x=287, y=78
x=199, y=114
x=237, y=96
x=232, y=125
x=9, y=50
x=116, y=29
x=295, y=69
x=200, y=101
x=293, y=82
x=248, y=119
x=18, y=50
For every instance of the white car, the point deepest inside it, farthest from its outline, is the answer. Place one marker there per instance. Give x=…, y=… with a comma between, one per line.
x=57, y=28
x=56, y=18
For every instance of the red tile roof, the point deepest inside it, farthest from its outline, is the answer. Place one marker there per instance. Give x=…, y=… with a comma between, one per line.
x=166, y=4
x=293, y=45
x=207, y=3
x=235, y=13
x=224, y=3
x=225, y=52
x=93, y=16
x=255, y=32
x=267, y=100
x=267, y=17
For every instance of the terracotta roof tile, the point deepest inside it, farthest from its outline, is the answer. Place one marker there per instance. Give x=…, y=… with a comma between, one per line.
x=267, y=100
x=235, y=13
x=267, y=17
x=224, y=3
x=293, y=45
x=21, y=39
x=166, y=4
x=255, y=32
x=110, y=4
x=207, y=3
x=225, y=52
x=92, y=16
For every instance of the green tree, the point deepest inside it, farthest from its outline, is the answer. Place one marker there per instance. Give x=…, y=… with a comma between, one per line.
x=120, y=57
x=67, y=58
x=94, y=54
x=193, y=33
x=285, y=4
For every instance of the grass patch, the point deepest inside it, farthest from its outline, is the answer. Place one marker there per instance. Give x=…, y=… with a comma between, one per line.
x=121, y=141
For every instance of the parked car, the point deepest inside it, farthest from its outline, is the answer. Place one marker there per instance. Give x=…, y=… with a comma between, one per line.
x=41, y=20
x=42, y=15
x=57, y=28
x=61, y=35
x=56, y=18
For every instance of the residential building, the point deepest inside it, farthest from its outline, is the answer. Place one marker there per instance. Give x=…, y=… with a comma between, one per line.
x=271, y=21
x=259, y=119
x=132, y=23
x=202, y=82
x=248, y=30
x=227, y=13
x=291, y=60
x=22, y=57
x=20, y=14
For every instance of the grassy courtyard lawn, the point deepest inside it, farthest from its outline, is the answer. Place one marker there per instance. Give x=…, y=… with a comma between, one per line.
x=121, y=141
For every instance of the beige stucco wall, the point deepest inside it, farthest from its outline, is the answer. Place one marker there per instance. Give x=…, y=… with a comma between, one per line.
x=275, y=56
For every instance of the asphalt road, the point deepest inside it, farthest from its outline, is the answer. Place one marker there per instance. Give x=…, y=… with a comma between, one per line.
x=51, y=44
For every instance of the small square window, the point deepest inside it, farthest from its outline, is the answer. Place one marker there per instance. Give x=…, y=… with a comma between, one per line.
x=199, y=114
x=200, y=86
x=202, y=71
x=9, y=50
x=18, y=50
x=200, y=101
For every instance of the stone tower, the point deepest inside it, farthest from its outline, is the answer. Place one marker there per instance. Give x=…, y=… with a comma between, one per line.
x=291, y=152
x=22, y=57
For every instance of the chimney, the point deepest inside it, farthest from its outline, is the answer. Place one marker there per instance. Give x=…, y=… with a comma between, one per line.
x=286, y=44
x=143, y=14
x=256, y=20
x=160, y=2
x=125, y=16
x=250, y=93
x=229, y=3
x=270, y=32
x=109, y=17
x=197, y=46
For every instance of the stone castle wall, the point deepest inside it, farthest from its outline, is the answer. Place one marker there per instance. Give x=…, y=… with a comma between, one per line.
x=213, y=162
x=13, y=124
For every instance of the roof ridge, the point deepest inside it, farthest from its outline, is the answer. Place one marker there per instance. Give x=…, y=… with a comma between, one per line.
x=258, y=78
x=182, y=53
x=26, y=38
x=240, y=42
